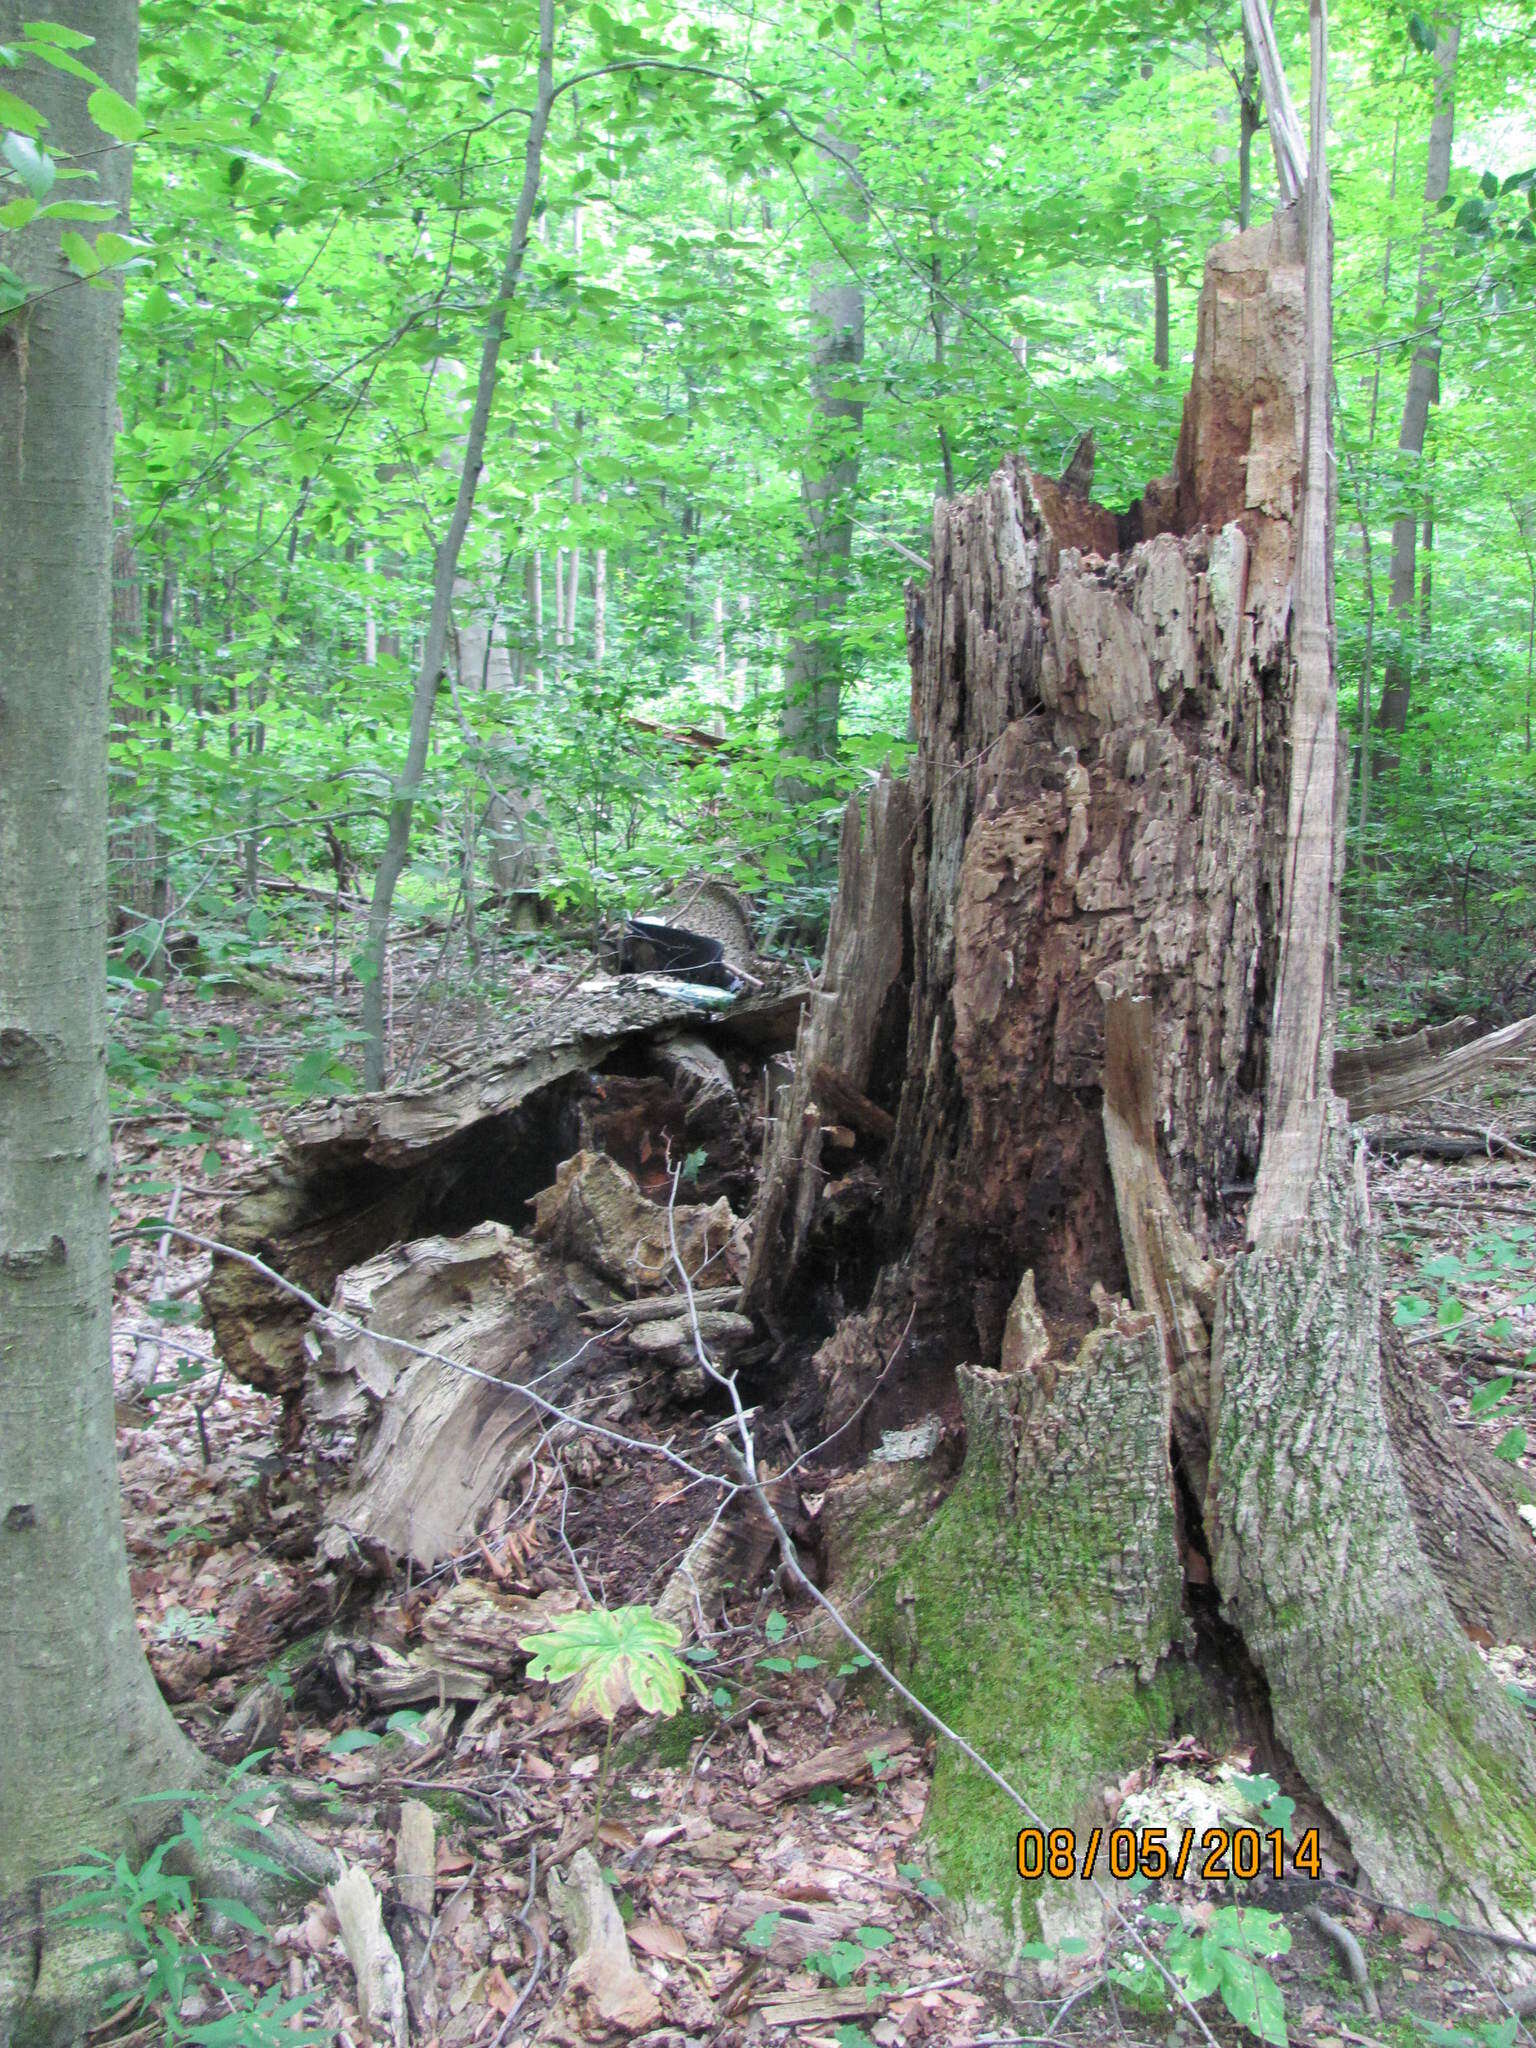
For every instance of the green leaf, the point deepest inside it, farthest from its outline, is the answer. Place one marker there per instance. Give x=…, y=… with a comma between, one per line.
x=873, y=1937
x=1511, y=1445
x=615, y=1655
x=351, y=1739
x=58, y=33
x=781, y=1665
x=233, y=1910
x=32, y=165
x=1409, y=1309
x=776, y=1627
x=15, y=113
x=1421, y=34
x=760, y=1934
x=114, y=115
x=17, y=212
x=1490, y=1394
x=80, y=254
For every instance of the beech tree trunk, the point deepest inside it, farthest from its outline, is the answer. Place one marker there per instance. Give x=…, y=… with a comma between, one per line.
x=1116, y=857
x=86, y=1733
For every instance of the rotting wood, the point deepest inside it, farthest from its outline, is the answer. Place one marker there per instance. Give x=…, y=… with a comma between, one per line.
x=857, y=1015
x=845, y=1763
x=435, y=1444
x=353, y=1177
x=662, y=1307
x=595, y=1213
x=1464, y=1503
x=416, y=1898
x=834, y=1091
x=1381, y=1079
x=1169, y=1274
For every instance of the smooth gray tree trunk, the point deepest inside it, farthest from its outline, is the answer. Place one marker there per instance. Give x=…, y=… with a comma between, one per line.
x=83, y=1729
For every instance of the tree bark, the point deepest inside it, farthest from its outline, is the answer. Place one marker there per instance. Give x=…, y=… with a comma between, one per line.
x=1117, y=971
x=1423, y=383
x=86, y=1733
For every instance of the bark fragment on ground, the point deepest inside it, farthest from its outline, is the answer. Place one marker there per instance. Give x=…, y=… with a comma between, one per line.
x=603, y=1969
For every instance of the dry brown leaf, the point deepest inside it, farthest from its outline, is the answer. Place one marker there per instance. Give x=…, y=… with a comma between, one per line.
x=660, y=1939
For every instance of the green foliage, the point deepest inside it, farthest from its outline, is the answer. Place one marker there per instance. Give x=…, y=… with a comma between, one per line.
x=614, y=1655
x=1504, y=1259
x=1223, y=1956
x=152, y=1920
x=840, y=1962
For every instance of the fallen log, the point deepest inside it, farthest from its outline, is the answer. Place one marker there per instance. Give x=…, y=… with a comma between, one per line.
x=1449, y=1145
x=1437, y=1061
x=354, y=1176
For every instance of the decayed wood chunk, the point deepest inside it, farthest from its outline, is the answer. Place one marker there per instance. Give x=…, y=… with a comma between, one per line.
x=1433, y=1062
x=439, y=1437
x=596, y=1214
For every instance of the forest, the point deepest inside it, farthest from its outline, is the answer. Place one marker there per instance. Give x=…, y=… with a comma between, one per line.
x=767, y=1023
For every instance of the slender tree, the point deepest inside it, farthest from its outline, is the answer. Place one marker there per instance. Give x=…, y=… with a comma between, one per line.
x=1423, y=379
x=86, y=1732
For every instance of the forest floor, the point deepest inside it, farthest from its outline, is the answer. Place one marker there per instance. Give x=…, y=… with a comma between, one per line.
x=705, y=1828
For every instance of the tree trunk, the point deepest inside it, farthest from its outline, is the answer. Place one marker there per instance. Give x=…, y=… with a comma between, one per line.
x=813, y=677
x=1423, y=383
x=86, y=1731
x=397, y=845
x=1115, y=968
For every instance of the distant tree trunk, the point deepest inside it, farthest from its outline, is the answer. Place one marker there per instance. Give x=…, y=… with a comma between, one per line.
x=600, y=605
x=1101, y=918
x=485, y=666
x=370, y=619
x=1423, y=382
x=533, y=592
x=397, y=845
x=85, y=1732
x=1250, y=121
x=829, y=483
x=1159, y=314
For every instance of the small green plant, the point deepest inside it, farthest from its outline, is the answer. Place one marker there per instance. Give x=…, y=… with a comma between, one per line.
x=1222, y=1956
x=615, y=1654
x=841, y=1961
x=1482, y=2034
x=154, y=1927
x=760, y=1934
x=180, y=1625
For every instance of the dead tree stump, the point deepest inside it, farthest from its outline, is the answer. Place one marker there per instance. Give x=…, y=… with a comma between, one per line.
x=1095, y=832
